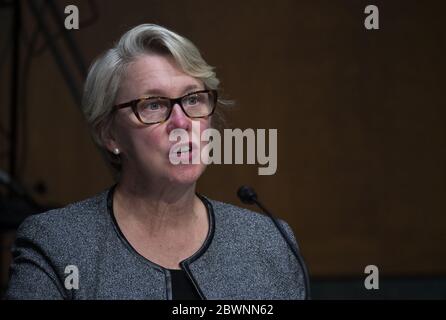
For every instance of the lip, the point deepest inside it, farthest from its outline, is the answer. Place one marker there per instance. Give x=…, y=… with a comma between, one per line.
x=175, y=148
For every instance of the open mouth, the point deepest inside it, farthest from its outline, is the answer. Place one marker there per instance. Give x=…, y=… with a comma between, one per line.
x=181, y=150
x=184, y=149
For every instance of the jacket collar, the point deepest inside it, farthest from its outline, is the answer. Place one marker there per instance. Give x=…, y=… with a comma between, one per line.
x=185, y=263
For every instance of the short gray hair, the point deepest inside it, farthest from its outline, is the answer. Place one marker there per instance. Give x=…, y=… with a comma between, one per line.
x=105, y=75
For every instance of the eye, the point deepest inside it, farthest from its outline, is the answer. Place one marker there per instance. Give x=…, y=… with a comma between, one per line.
x=192, y=99
x=153, y=106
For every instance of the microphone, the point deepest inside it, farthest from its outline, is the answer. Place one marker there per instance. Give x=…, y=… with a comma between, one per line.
x=249, y=196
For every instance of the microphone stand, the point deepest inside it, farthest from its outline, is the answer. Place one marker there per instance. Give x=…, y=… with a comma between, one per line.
x=248, y=195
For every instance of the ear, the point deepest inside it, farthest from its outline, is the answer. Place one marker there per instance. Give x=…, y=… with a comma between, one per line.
x=109, y=140
x=111, y=145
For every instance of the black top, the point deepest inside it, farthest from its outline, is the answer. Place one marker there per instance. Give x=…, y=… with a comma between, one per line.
x=182, y=287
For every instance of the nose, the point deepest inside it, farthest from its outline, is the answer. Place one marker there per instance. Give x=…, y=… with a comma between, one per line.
x=178, y=119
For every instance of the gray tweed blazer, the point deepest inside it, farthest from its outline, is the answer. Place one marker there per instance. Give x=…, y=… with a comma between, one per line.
x=243, y=257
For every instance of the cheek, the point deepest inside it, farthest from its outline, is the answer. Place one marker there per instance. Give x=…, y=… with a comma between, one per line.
x=150, y=140
x=137, y=141
x=197, y=128
x=204, y=124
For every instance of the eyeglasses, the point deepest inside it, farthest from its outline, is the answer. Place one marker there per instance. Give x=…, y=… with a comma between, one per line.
x=151, y=110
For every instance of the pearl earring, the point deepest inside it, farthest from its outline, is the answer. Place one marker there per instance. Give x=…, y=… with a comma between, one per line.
x=116, y=151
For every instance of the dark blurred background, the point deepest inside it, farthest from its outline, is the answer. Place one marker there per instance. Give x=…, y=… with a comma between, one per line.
x=360, y=115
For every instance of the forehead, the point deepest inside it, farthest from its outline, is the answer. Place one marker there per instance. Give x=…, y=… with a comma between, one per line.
x=155, y=74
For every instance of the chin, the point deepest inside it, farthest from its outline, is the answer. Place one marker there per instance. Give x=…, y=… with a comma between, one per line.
x=186, y=174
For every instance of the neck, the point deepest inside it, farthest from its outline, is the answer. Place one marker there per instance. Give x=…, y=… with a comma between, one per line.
x=156, y=205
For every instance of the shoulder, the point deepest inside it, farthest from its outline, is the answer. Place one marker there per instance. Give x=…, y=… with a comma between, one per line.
x=233, y=220
x=231, y=214
x=47, y=243
x=75, y=220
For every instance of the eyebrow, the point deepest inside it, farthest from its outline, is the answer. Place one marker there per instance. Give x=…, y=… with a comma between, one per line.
x=155, y=92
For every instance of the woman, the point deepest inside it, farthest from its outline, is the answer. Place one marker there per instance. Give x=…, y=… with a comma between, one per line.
x=151, y=236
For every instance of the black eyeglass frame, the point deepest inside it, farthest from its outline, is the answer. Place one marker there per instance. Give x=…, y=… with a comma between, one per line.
x=134, y=103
